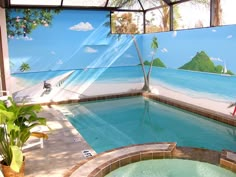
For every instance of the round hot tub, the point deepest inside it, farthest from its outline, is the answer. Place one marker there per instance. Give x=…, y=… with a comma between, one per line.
x=170, y=168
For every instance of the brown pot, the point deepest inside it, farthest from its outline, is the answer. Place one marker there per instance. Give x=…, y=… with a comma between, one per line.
x=8, y=172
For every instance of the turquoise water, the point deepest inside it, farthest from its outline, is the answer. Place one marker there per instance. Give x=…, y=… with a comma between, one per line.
x=212, y=86
x=170, y=168
x=120, y=122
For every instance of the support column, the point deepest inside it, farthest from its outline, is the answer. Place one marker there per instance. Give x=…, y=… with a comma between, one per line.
x=4, y=57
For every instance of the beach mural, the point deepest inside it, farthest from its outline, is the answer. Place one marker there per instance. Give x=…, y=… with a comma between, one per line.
x=68, y=54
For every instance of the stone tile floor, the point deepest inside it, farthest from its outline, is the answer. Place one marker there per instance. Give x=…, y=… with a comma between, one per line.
x=61, y=151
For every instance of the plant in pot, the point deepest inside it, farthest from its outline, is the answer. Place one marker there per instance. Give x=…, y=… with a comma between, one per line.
x=16, y=123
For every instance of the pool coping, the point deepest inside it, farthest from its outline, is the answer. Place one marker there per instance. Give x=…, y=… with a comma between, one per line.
x=218, y=116
x=228, y=161
x=103, y=163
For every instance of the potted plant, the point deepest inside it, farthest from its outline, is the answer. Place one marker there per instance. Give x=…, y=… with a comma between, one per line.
x=16, y=123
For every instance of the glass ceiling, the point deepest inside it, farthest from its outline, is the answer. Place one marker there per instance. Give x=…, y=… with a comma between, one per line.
x=150, y=15
x=136, y=5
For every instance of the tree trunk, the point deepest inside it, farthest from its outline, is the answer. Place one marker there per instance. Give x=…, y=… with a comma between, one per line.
x=146, y=85
x=218, y=13
x=149, y=73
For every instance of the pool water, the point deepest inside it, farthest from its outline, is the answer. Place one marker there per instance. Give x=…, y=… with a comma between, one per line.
x=170, y=168
x=120, y=122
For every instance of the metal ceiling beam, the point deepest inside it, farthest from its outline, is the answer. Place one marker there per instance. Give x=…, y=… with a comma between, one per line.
x=178, y=2
x=4, y=3
x=141, y=5
x=212, y=12
x=168, y=2
x=61, y=3
x=171, y=18
x=106, y=3
x=70, y=7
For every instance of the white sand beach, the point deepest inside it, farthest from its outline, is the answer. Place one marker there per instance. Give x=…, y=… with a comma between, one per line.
x=215, y=105
x=18, y=84
x=59, y=92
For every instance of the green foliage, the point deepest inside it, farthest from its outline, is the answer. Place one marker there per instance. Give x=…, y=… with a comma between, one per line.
x=16, y=123
x=156, y=62
x=126, y=24
x=146, y=63
x=27, y=20
x=229, y=72
x=219, y=68
x=154, y=44
x=202, y=62
x=24, y=67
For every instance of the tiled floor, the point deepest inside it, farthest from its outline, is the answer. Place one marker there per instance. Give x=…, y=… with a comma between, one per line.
x=61, y=151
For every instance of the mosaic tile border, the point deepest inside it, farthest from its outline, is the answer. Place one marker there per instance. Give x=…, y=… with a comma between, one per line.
x=104, y=163
x=227, y=119
x=228, y=160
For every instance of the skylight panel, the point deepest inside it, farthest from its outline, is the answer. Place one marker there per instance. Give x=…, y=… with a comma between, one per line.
x=124, y=4
x=86, y=3
x=36, y=2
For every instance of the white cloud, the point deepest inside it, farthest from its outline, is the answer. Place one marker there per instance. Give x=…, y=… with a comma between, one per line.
x=152, y=53
x=164, y=50
x=90, y=50
x=216, y=59
x=53, y=52
x=229, y=36
x=213, y=30
x=59, y=62
x=174, y=34
x=129, y=56
x=27, y=38
x=82, y=26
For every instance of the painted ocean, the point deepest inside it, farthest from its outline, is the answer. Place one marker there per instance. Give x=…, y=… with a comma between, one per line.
x=213, y=86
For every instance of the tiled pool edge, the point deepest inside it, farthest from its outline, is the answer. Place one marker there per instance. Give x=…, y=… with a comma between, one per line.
x=102, y=164
x=221, y=117
x=227, y=119
x=227, y=161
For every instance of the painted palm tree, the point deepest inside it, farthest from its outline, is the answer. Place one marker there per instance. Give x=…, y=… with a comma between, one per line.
x=126, y=26
x=154, y=47
x=24, y=67
x=146, y=83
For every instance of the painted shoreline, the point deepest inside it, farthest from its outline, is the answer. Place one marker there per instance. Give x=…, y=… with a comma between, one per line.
x=212, y=104
x=97, y=88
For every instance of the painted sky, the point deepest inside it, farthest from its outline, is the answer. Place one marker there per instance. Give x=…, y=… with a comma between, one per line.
x=178, y=47
x=78, y=39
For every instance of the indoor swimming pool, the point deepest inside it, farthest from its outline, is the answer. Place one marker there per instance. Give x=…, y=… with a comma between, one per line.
x=114, y=123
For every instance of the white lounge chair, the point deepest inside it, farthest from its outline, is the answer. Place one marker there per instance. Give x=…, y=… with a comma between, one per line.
x=33, y=140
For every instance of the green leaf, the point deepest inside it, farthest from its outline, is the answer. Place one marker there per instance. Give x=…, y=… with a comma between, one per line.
x=6, y=116
x=17, y=158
